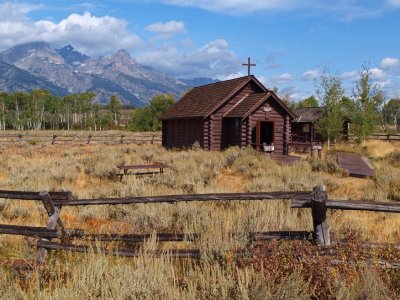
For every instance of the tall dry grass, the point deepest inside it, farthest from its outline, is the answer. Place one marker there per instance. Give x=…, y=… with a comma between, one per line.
x=89, y=172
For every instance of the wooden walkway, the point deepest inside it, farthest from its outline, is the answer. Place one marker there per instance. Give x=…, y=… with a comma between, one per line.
x=356, y=165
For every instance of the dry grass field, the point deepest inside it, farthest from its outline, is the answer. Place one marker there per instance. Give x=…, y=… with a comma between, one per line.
x=89, y=172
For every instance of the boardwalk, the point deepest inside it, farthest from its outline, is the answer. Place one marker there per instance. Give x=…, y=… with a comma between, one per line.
x=356, y=165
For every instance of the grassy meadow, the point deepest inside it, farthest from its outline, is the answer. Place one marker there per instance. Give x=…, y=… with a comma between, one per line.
x=89, y=172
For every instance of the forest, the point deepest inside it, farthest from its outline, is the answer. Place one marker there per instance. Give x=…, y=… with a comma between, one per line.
x=39, y=109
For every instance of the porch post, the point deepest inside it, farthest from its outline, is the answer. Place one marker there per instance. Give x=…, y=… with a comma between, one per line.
x=249, y=129
x=287, y=135
x=258, y=135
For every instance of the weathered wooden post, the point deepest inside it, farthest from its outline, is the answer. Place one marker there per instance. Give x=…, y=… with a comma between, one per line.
x=318, y=211
x=54, y=219
x=53, y=141
x=121, y=141
x=89, y=138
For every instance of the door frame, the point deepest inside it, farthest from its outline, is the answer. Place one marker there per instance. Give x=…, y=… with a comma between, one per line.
x=258, y=132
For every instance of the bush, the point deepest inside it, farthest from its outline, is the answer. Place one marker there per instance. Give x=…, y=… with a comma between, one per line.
x=394, y=158
x=329, y=165
x=148, y=118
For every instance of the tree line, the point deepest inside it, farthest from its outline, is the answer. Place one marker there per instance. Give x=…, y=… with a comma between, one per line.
x=365, y=111
x=40, y=109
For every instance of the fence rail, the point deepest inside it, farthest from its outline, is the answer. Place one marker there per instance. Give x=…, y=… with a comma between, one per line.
x=317, y=200
x=381, y=137
x=79, y=137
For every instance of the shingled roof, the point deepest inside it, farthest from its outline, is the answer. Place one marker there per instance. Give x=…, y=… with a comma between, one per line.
x=246, y=104
x=251, y=102
x=308, y=114
x=201, y=101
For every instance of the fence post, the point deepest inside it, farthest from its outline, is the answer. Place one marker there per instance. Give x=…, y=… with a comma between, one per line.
x=89, y=138
x=54, y=219
x=318, y=211
x=121, y=141
x=53, y=141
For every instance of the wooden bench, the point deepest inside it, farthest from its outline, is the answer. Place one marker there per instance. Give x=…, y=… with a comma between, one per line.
x=142, y=169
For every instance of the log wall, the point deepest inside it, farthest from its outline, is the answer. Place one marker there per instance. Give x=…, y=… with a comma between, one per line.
x=218, y=140
x=281, y=129
x=178, y=133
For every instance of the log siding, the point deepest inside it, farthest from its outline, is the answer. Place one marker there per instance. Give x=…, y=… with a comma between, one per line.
x=232, y=122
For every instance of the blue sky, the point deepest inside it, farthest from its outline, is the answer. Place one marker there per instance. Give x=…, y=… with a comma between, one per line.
x=291, y=41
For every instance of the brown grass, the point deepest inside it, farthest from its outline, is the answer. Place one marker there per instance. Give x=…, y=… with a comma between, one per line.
x=88, y=171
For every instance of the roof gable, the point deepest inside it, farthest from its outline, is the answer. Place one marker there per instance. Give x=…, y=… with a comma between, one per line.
x=252, y=102
x=204, y=100
x=246, y=104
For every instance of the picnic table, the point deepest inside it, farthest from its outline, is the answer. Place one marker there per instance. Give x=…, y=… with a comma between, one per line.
x=143, y=169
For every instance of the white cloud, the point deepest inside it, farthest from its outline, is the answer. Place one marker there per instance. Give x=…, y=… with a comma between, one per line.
x=171, y=27
x=89, y=34
x=311, y=74
x=389, y=62
x=290, y=91
x=394, y=2
x=383, y=83
x=233, y=76
x=239, y=6
x=346, y=9
x=351, y=75
x=377, y=73
x=213, y=59
x=11, y=11
x=282, y=78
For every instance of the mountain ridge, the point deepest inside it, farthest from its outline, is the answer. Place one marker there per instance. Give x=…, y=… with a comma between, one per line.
x=65, y=70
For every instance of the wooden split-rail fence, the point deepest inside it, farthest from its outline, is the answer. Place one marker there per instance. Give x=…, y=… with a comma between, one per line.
x=82, y=138
x=391, y=137
x=316, y=200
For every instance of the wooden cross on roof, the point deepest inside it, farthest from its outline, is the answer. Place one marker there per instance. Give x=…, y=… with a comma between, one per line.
x=249, y=65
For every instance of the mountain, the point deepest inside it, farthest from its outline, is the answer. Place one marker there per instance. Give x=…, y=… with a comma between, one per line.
x=65, y=70
x=24, y=50
x=13, y=79
x=71, y=56
x=197, y=81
